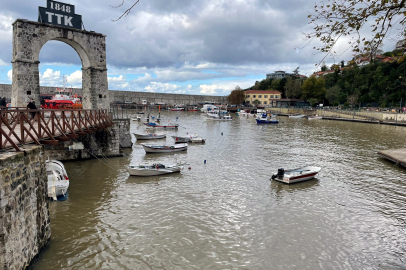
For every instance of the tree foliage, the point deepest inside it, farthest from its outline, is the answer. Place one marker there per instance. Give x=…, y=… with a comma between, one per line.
x=334, y=19
x=314, y=88
x=237, y=96
x=333, y=93
x=293, y=88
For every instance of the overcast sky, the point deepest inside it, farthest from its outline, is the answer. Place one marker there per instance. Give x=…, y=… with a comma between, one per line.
x=178, y=46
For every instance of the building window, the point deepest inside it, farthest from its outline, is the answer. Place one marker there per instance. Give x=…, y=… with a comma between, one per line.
x=265, y=102
x=254, y=96
x=259, y=96
x=277, y=96
x=248, y=102
x=248, y=95
x=265, y=96
x=271, y=96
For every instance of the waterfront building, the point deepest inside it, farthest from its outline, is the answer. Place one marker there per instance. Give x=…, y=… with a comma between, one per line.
x=266, y=98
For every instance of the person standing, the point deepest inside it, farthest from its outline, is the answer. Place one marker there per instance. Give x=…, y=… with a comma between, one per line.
x=3, y=103
x=31, y=106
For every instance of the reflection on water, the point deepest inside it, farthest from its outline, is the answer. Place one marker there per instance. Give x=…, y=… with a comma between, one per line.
x=227, y=214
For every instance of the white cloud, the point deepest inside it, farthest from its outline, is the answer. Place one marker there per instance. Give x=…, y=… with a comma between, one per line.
x=2, y=63
x=50, y=78
x=75, y=78
x=119, y=82
x=208, y=89
x=10, y=75
x=162, y=87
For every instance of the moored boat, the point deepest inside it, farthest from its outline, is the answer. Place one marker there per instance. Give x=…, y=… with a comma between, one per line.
x=221, y=118
x=296, y=175
x=265, y=119
x=296, y=116
x=155, y=125
x=58, y=181
x=154, y=169
x=150, y=148
x=149, y=136
x=194, y=138
x=316, y=117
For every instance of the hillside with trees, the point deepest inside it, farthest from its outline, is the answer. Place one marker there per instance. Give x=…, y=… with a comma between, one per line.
x=378, y=83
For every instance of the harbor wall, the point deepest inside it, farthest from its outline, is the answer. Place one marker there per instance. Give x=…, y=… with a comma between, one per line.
x=131, y=96
x=102, y=143
x=24, y=213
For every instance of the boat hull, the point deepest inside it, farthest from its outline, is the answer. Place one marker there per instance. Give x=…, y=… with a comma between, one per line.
x=259, y=121
x=165, y=148
x=193, y=139
x=137, y=171
x=297, y=175
x=151, y=136
x=161, y=126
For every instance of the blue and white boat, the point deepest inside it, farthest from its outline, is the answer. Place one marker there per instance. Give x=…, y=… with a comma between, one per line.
x=265, y=119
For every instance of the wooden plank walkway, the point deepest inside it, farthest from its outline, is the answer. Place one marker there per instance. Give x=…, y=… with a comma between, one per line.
x=397, y=156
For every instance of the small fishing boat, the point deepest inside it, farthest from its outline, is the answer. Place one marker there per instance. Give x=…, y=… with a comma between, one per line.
x=137, y=118
x=316, y=117
x=265, y=119
x=58, y=181
x=194, y=138
x=296, y=116
x=177, y=108
x=150, y=148
x=155, y=125
x=221, y=118
x=154, y=169
x=296, y=175
x=149, y=136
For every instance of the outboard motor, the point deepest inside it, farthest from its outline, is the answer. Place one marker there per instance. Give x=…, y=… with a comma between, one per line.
x=280, y=174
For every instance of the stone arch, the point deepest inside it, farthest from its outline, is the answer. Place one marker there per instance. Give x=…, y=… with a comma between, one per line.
x=28, y=39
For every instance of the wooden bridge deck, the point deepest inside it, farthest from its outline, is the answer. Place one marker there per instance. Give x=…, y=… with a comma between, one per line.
x=18, y=127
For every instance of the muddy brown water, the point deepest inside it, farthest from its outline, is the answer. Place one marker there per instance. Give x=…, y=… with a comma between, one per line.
x=227, y=214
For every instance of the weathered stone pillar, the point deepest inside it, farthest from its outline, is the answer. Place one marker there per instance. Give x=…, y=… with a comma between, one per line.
x=25, y=83
x=24, y=213
x=95, y=88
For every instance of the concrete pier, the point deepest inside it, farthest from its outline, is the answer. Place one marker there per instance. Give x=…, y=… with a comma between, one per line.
x=397, y=156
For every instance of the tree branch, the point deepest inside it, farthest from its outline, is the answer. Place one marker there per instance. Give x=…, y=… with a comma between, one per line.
x=125, y=12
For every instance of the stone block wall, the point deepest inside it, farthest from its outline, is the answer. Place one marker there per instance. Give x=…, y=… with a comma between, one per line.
x=124, y=132
x=102, y=143
x=131, y=96
x=24, y=214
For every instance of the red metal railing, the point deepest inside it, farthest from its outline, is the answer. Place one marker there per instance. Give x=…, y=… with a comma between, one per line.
x=21, y=126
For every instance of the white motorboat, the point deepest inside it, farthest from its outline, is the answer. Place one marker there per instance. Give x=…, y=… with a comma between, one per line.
x=150, y=148
x=296, y=175
x=194, y=138
x=154, y=169
x=149, y=136
x=137, y=118
x=221, y=118
x=296, y=116
x=316, y=117
x=58, y=181
x=242, y=113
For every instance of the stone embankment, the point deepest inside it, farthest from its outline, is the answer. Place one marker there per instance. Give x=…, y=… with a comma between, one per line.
x=24, y=215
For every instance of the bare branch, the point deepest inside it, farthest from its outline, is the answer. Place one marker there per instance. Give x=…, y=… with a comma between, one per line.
x=127, y=11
